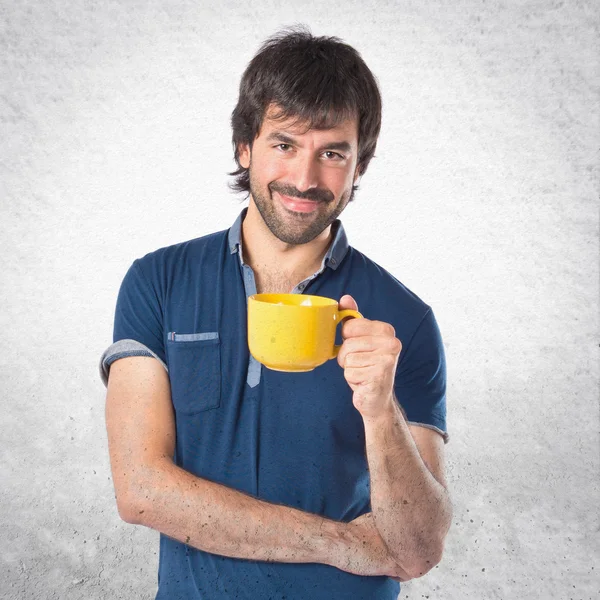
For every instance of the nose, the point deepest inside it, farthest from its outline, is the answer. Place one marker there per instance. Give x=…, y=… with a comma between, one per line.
x=306, y=174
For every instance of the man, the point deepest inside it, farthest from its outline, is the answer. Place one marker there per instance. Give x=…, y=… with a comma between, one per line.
x=328, y=484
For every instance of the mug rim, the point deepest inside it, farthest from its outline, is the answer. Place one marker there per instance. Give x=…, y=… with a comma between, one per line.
x=259, y=298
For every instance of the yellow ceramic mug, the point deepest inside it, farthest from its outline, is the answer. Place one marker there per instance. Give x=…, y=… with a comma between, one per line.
x=293, y=332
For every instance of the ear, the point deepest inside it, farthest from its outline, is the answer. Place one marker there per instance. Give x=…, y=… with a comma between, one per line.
x=357, y=174
x=244, y=155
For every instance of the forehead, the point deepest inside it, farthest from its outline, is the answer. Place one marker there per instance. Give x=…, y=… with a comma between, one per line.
x=346, y=128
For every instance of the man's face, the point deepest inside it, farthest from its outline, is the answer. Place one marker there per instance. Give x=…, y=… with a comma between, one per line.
x=301, y=180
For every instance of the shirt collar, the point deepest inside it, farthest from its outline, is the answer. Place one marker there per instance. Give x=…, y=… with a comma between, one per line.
x=335, y=254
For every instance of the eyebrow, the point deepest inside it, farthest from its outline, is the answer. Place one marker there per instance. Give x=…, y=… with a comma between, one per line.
x=278, y=136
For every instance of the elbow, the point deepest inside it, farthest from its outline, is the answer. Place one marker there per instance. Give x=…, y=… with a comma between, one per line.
x=135, y=495
x=424, y=561
x=423, y=552
x=428, y=549
x=130, y=508
x=425, y=546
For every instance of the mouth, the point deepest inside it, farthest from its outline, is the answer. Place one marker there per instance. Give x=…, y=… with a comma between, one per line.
x=297, y=204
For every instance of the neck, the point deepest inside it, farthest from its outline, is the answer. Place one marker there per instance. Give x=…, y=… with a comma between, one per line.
x=266, y=253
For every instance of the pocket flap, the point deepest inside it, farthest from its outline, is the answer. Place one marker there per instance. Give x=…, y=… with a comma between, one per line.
x=192, y=337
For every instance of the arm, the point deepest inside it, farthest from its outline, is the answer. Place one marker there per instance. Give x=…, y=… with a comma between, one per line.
x=152, y=491
x=409, y=496
x=411, y=506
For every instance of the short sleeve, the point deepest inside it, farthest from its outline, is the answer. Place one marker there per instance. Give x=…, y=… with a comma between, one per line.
x=138, y=329
x=420, y=383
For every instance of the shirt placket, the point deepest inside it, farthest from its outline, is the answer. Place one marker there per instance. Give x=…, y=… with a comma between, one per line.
x=254, y=367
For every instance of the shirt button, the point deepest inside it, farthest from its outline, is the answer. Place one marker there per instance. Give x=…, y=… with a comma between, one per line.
x=301, y=286
x=332, y=261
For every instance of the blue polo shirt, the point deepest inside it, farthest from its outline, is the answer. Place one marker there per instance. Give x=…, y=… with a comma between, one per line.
x=288, y=438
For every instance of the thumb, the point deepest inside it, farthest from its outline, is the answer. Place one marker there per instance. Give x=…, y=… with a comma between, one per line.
x=347, y=301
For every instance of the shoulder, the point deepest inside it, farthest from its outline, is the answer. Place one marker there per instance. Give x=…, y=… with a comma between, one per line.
x=383, y=297
x=382, y=288
x=183, y=255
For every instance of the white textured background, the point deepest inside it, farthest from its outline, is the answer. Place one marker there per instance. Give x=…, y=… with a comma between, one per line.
x=483, y=199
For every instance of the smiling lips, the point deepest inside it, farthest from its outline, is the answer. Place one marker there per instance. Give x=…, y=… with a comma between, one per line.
x=298, y=205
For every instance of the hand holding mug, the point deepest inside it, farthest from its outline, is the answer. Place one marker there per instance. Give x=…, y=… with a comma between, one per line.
x=369, y=356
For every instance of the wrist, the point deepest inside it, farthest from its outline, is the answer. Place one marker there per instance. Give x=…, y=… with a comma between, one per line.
x=386, y=412
x=330, y=542
x=336, y=540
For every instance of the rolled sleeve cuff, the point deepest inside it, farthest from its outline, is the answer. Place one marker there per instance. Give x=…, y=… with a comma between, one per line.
x=444, y=434
x=124, y=349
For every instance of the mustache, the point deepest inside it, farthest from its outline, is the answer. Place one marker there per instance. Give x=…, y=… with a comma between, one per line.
x=316, y=195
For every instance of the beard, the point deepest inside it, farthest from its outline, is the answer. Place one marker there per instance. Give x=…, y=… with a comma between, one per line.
x=299, y=228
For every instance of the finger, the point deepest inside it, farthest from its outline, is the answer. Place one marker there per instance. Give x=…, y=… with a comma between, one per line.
x=361, y=360
x=380, y=374
x=354, y=346
x=357, y=327
x=347, y=301
x=371, y=346
x=360, y=375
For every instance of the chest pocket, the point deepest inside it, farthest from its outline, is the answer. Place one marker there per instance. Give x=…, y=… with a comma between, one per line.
x=194, y=371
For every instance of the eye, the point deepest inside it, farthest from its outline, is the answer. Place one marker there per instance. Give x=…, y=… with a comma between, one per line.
x=283, y=147
x=333, y=155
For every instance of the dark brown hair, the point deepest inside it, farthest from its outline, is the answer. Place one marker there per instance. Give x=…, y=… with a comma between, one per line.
x=317, y=81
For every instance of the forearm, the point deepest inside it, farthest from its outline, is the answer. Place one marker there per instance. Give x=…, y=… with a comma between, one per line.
x=411, y=509
x=221, y=520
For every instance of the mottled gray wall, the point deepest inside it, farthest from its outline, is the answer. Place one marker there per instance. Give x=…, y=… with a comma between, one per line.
x=483, y=199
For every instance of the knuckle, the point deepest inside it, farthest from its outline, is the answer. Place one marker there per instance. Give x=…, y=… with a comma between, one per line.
x=350, y=375
x=352, y=324
x=347, y=329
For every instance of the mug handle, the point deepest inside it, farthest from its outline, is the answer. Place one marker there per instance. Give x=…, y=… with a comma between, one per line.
x=343, y=314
